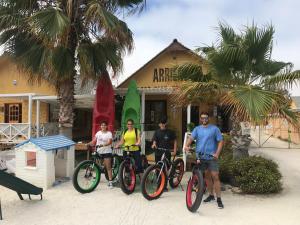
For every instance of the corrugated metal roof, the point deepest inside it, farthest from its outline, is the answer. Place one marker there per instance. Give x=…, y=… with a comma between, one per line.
x=49, y=143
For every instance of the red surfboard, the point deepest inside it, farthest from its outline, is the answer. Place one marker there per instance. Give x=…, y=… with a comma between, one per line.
x=104, y=106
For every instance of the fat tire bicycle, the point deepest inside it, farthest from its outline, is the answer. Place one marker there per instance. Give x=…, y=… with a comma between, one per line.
x=155, y=178
x=196, y=185
x=127, y=170
x=87, y=174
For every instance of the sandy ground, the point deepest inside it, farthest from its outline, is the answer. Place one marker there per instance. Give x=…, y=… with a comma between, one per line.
x=63, y=205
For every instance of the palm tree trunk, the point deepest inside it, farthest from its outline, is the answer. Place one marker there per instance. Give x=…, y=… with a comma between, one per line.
x=240, y=143
x=66, y=105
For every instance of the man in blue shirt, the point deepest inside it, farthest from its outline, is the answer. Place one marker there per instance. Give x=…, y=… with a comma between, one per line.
x=209, y=143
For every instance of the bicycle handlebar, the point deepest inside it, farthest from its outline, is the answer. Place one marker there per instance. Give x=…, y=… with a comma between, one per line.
x=163, y=149
x=126, y=146
x=198, y=155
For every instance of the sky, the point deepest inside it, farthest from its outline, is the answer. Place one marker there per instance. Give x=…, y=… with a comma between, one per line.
x=194, y=22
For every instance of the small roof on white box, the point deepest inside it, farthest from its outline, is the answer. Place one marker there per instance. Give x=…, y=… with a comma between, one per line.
x=50, y=143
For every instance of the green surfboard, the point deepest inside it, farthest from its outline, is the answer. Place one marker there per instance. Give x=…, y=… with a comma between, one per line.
x=132, y=106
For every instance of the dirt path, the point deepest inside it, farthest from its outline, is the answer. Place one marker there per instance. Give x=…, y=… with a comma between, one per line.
x=63, y=205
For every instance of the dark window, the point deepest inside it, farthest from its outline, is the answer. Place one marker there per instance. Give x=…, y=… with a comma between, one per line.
x=13, y=113
x=154, y=110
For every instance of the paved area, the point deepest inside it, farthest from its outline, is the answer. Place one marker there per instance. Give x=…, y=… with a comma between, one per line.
x=63, y=205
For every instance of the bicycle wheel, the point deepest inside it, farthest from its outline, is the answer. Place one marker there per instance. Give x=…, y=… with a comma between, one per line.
x=127, y=177
x=153, y=182
x=115, y=164
x=86, y=176
x=176, y=173
x=194, y=191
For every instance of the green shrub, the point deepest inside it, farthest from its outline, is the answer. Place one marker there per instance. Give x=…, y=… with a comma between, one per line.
x=257, y=175
x=226, y=164
x=226, y=161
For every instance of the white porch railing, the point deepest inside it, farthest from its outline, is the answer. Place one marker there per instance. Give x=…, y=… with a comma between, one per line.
x=46, y=129
x=14, y=132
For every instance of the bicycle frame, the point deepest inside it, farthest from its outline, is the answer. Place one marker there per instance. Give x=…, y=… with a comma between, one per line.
x=164, y=162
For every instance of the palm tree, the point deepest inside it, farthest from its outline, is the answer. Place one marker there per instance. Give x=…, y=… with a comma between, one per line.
x=55, y=39
x=243, y=78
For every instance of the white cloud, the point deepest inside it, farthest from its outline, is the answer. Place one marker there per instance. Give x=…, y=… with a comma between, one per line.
x=192, y=22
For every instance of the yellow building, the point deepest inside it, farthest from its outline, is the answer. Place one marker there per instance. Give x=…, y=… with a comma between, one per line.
x=16, y=94
x=32, y=107
x=281, y=129
x=155, y=83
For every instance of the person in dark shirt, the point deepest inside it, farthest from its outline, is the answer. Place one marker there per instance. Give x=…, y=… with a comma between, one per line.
x=164, y=138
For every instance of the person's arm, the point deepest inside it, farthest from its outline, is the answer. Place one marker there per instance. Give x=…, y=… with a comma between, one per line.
x=138, y=138
x=188, y=143
x=109, y=140
x=219, y=139
x=190, y=140
x=219, y=149
x=93, y=142
x=154, y=142
x=175, y=147
x=121, y=142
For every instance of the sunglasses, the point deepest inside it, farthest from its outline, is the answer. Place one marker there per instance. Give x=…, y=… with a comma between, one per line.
x=204, y=118
x=129, y=124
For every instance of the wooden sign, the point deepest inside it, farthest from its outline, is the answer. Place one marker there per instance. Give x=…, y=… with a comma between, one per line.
x=163, y=74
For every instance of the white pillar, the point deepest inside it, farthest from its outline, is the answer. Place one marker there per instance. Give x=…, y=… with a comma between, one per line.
x=143, y=112
x=38, y=118
x=29, y=114
x=143, y=139
x=188, y=113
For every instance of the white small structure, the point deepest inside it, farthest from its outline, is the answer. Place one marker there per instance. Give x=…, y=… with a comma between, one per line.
x=41, y=160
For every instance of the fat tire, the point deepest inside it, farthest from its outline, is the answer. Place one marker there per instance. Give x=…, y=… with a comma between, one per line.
x=177, y=162
x=75, y=174
x=122, y=181
x=193, y=207
x=144, y=179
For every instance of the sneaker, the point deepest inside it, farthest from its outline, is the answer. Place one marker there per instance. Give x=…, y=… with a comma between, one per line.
x=209, y=198
x=166, y=189
x=220, y=204
x=110, y=184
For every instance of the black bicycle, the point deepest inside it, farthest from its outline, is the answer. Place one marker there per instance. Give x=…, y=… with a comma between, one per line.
x=127, y=170
x=87, y=174
x=196, y=185
x=156, y=176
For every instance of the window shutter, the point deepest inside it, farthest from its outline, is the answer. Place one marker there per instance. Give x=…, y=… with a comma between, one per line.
x=6, y=111
x=20, y=113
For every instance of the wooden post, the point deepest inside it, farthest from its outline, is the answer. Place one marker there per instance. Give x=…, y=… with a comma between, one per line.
x=0, y=211
x=29, y=114
x=37, y=118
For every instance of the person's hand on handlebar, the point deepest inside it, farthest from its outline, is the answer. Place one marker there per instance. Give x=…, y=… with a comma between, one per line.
x=153, y=146
x=216, y=156
x=187, y=148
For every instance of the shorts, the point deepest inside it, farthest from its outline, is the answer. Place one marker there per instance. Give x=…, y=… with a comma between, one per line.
x=210, y=165
x=106, y=155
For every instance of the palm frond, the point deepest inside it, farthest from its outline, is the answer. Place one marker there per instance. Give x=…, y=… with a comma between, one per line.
x=105, y=21
x=271, y=67
x=252, y=103
x=226, y=33
x=62, y=64
x=192, y=72
x=283, y=80
x=49, y=23
x=258, y=43
x=196, y=92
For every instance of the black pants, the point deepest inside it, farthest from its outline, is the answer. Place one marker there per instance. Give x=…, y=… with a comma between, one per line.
x=158, y=155
x=137, y=159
